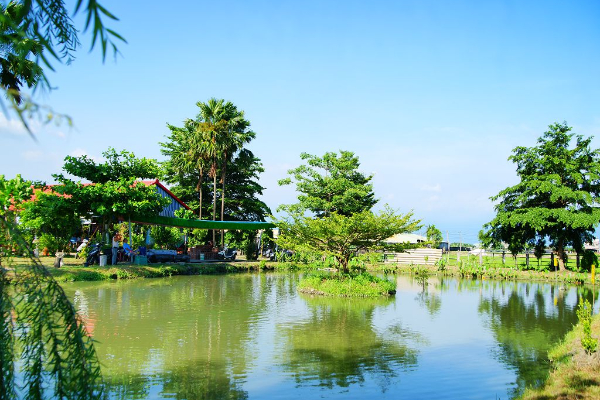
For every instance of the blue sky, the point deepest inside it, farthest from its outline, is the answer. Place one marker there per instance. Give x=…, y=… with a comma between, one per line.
x=431, y=95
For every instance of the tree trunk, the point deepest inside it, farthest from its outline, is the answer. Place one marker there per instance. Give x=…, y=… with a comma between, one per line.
x=199, y=189
x=214, y=203
x=561, y=256
x=223, y=198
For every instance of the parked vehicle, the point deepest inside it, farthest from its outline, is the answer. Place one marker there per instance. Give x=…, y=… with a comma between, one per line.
x=270, y=254
x=227, y=254
x=94, y=253
x=155, y=255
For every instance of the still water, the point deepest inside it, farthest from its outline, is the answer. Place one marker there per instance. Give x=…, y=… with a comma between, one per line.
x=252, y=336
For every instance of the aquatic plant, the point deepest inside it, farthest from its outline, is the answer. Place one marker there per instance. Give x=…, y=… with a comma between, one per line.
x=346, y=285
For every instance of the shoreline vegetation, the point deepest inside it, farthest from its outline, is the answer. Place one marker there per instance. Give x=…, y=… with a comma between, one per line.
x=73, y=270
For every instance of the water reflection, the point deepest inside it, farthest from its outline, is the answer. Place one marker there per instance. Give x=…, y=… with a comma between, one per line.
x=192, y=380
x=527, y=319
x=336, y=345
x=253, y=335
x=176, y=338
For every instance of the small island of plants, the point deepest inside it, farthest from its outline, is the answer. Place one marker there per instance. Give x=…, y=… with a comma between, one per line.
x=346, y=285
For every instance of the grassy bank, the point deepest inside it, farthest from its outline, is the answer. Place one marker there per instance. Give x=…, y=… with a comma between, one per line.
x=473, y=270
x=73, y=270
x=575, y=374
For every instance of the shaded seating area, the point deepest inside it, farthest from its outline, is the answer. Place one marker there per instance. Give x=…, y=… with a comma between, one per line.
x=206, y=252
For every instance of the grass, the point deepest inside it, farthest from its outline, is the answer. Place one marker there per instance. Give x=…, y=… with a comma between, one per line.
x=576, y=374
x=73, y=269
x=356, y=285
x=474, y=270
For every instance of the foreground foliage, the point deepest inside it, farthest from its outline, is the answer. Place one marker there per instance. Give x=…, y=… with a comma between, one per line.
x=34, y=32
x=40, y=332
x=346, y=285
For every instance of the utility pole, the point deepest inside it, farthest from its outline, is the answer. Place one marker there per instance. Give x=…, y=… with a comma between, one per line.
x=448, y=244
x=459, y=247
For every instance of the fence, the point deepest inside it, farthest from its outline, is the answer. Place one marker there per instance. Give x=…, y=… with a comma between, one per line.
x=422, y=256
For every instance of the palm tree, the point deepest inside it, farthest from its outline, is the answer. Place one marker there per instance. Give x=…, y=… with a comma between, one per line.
x=188, y=153
x=232, y=140
x=213, y=120
x=207, y=144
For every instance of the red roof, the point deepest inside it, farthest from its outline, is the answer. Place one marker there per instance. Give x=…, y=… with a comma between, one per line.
x=163, y=187
x=48, y=190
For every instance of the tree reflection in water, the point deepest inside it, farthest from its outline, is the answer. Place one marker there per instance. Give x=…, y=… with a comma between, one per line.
x=526, y=325
x=190, y=381
x=337, y=345
x=178, y=338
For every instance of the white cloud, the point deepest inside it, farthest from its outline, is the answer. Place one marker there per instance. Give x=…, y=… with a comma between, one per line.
x=34, y=155
x=11, y=126
x=432, y=188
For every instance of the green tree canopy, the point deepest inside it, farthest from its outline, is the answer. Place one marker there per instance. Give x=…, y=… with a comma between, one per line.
x=51, y=214
x=342, y=236
x=434, y=235
x=115, y=189
x=332, y=183
x=557, y=197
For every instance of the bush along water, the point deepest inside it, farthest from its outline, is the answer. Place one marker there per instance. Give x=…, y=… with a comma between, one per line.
x=584, y=314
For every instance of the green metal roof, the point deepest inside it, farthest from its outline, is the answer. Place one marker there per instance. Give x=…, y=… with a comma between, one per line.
x=202, y=224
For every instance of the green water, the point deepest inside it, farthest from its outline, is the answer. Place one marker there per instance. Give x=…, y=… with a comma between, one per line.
x=252, y=336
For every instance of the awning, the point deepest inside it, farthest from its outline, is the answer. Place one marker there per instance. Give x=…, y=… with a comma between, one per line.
x=202, y=224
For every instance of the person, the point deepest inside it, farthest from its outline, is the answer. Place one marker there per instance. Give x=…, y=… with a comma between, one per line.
x=115, y=247
x=82, y=246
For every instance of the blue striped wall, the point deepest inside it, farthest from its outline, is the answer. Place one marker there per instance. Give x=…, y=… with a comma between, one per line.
x=169, y=210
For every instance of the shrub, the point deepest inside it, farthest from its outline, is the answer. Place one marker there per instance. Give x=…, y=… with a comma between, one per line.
x=588, y=259
x=51, y=243
x=250, y=249
x=584, y=314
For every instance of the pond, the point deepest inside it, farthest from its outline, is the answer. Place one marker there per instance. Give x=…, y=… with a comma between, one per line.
x=252, y=336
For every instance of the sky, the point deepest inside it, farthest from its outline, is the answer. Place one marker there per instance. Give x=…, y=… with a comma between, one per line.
x=432, y=96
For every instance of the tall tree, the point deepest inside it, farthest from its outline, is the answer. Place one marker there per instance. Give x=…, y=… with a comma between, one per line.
x=232, y=139
x=341, y=198
x=332, y=183
x=557, y=197
x=209, y=142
